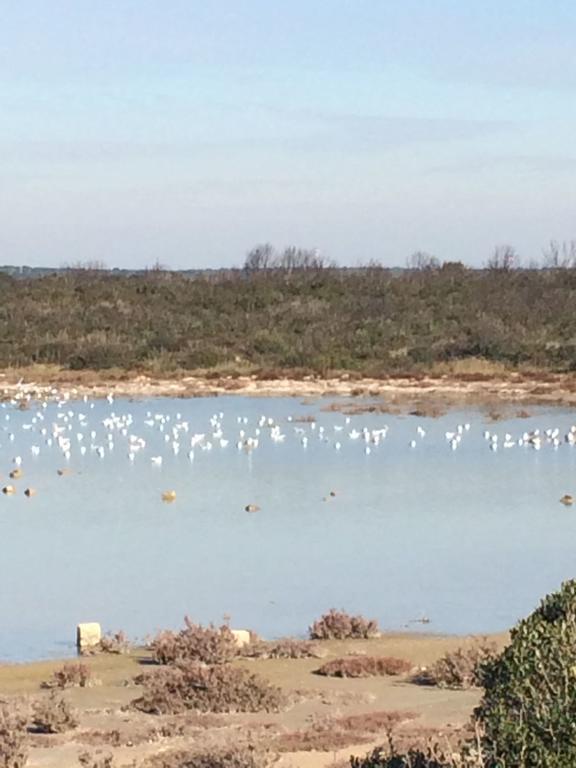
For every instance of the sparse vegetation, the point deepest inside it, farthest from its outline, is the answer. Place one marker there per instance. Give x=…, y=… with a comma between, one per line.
x=89, y=760
x=461, y=668
x=331, y=733
x=53, y=715
x=220, y=688
x=217, y=757
x=285, y=648
x=339, y=625
x=365, y=666
x=13, y=739
x=210, y=645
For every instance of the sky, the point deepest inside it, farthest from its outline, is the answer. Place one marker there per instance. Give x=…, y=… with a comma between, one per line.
x=188, y=131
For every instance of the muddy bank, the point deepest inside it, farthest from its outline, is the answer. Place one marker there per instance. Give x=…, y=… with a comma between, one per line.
x=424, y=395
x=107, y=724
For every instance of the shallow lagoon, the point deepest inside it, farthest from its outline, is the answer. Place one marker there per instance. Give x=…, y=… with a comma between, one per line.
x=470, y=538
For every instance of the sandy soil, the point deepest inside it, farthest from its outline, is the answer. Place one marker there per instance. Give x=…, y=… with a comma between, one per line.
x=427, y=395
x=109, y=726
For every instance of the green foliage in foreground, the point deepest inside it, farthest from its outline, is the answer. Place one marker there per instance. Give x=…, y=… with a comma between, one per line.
x=370, y=321
x=527, y=718
x=529, y=706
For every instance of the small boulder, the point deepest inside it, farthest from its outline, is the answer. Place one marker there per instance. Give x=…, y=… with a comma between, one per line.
x=88, y=635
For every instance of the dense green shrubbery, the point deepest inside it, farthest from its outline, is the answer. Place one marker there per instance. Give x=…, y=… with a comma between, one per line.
x=527, y=717
x=372, y=321
x=529, y=708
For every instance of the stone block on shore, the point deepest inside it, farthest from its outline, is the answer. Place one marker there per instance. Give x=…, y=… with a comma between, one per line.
x=242, y=637
x=88, y=635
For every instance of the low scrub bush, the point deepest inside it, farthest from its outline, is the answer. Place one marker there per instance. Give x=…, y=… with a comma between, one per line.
x=116, y=642
x=70, y=675
x=210, y=645
x=53, y=715
x=89, y=760
x=285, y=648
x=365, y=666
x=220, y=688
x=331, y=733
x=460, y=668
x=339, y=625
x=13, y=738
x=435, y=755
x=218, y=757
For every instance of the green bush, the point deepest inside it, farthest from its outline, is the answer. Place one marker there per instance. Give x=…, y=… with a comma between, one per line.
x=528, y=711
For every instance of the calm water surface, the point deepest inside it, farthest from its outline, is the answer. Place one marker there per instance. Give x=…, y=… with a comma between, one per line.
x=471, y=538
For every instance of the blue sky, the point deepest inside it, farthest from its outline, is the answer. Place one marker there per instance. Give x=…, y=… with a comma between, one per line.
x=184, y=131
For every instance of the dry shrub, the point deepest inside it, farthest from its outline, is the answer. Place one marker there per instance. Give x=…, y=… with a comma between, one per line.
x=220, y=688
x=70, y=675
x=116, y=642
x=285, y=648
x=435, y=755
x=53, y=715
x=13, y=738
x=210, y=645
x=218, y=757
x=339, y=625
x=460, y=668
x=330, y=734
x=365, y=666
x=88, y=760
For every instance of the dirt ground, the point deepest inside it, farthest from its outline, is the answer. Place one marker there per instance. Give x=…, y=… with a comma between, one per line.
x=107, y=724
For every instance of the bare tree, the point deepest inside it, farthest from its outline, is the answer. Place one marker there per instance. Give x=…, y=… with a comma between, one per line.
x=260, y=257
x=560, y=255
x=504, y=258
x=421, y=260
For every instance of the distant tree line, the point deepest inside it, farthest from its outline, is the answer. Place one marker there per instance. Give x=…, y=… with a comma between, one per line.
x=296, y=314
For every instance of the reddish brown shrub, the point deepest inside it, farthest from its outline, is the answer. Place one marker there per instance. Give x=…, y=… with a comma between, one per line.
x=219, y=757
x=365, y=666
x=210, y=645
x=285, y=648
x=13, y=739
x=221, y=688
x=53, y=715
x=459, y=668
x=115, y=643
x=70, y=675
x=336, y=733
x=339, y=625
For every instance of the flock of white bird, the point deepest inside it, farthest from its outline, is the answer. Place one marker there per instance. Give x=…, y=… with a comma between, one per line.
x=57, y=424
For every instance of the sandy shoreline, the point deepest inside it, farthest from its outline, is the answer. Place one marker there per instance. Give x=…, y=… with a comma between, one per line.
x=442, y=391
